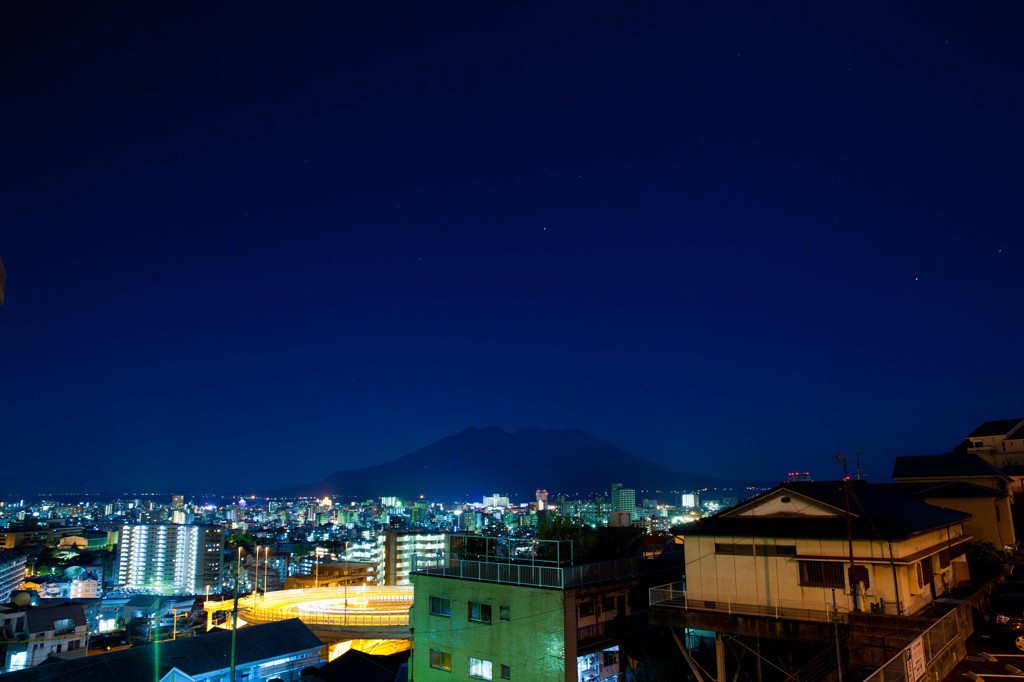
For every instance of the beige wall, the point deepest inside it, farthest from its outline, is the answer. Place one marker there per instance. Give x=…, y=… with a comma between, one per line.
x=986, y=523
x=775, y=580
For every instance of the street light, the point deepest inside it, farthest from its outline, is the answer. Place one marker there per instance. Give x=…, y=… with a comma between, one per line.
x=234, y=616
x=256, y=577
x=266, y=567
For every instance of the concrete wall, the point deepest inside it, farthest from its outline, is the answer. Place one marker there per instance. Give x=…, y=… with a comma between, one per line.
x=532, y=642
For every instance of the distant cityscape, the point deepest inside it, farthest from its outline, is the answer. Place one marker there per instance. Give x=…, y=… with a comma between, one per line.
x=423, y=584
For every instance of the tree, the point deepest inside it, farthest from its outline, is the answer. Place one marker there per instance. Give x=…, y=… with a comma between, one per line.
x=986, y=561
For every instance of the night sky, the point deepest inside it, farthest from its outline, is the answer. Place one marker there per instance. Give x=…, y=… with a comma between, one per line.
x=249, y=245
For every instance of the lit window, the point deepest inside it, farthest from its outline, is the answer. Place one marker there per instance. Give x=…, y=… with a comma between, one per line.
x=480, y=669
x=479, y=613
x=439, y=606
x=441, y=660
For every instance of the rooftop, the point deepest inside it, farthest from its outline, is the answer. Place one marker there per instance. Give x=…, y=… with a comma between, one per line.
x=997, y=427
x=876, y=511
x=191, y=655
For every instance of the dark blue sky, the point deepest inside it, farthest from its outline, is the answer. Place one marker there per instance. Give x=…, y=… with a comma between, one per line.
x=250, y=245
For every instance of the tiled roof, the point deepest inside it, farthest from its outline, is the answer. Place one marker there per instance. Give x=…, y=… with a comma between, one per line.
x=191, y=655
x=877, y=511
x=949, y=489
x=41, y=618
x=997, y=427
x=944, y=466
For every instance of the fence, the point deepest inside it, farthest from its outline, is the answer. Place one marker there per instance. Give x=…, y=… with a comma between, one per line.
x=674, y=595
x=933, y=654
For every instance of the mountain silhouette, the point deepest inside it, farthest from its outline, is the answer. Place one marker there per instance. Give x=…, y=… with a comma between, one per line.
x=485, y=461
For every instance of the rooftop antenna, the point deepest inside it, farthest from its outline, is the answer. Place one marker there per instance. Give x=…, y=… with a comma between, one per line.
x=852, y=573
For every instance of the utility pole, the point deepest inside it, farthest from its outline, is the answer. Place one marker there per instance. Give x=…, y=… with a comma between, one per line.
x=854, y=583
x=234, y=617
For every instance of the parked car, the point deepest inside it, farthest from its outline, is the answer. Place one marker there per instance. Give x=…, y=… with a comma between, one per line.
x=1006, y=615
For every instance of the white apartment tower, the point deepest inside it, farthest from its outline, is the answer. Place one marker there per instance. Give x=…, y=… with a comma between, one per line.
x=171, y=559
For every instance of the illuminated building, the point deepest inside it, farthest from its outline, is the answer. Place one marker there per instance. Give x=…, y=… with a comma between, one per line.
x=797, y=567
x=33, y=633
x=400, y=548
x=12, y=573
x=624, y=500
x=487, y=616
x=495, y=500
x=542, y=499
x=171, y=559
x=273, y=651
x=393, y=553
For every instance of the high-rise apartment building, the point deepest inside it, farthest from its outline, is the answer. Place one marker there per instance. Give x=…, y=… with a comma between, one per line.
x=429, y=549
x=171, y=559
x=393, y=554
x=624, y=500
x=12, y=573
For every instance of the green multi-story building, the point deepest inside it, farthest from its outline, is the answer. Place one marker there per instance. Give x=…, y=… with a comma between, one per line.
x=496, y=614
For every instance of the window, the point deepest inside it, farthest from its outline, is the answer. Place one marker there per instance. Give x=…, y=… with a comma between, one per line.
x=586, y=609
x=479, y=613
x=506, y=672
x=441, y=660
x=777, y=550
x=440, y=606
x=480, y=669
x=504, y=612
x=607, y=604
x=822, y=574
x=732, y=548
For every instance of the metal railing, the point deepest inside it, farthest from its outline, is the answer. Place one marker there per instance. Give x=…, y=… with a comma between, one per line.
x=674, y=595
x=528, y=574
x=939, y=641
x=361, y=606
x=353, y=618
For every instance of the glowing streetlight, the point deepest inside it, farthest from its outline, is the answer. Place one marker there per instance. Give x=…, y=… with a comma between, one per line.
x=256, y=577
x=266, y=567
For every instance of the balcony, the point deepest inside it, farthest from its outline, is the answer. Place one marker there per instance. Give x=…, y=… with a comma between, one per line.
x=674, y=596
x=529, y=574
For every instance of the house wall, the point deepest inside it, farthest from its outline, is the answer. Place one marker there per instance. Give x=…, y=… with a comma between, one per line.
x=986, y=523
x=768, y=580
x=532, y=642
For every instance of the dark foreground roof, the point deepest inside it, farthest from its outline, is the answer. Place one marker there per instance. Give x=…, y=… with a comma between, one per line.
x=877, y=511
x=997, y=427
x=944, y=466
x=191, y=655
x=949, y=489
x=42, y=618
x=357, y=665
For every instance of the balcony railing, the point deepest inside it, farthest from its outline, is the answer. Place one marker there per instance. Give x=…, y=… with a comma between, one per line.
x=528, y=574
x=674, y=595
